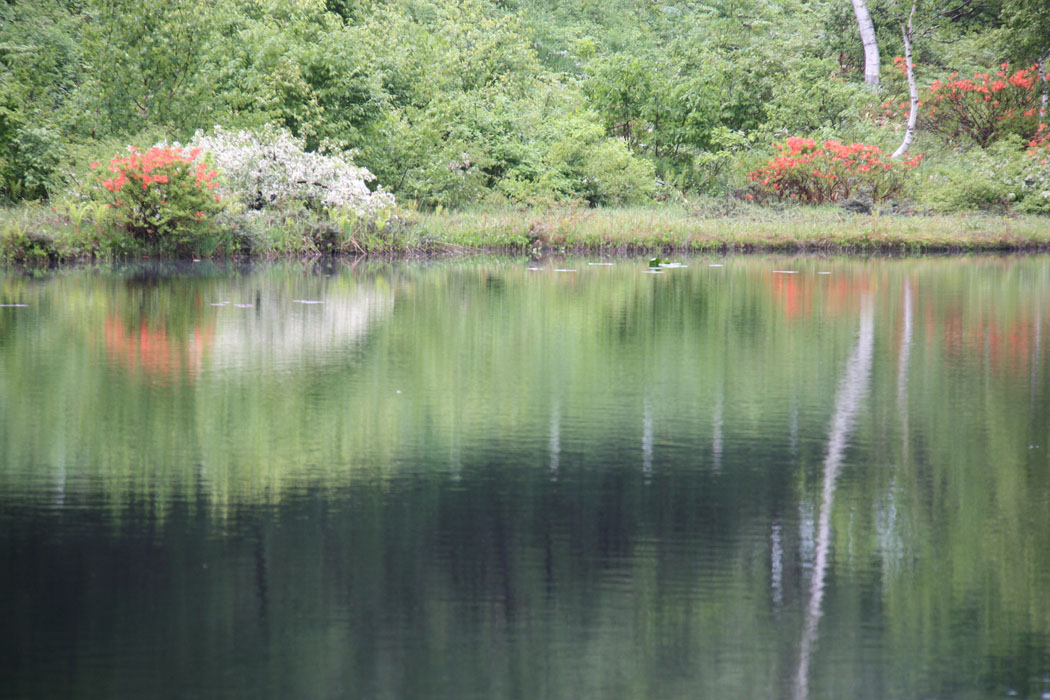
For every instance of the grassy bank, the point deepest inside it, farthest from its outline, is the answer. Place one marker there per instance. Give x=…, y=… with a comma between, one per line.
x=742, y=229
x=31, y=234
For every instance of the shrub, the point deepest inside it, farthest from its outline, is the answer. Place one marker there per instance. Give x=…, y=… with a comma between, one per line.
x=164, y=197
x=983, y=109
x=586, y=165
x=807, y=172
x=977, y=178
x=29, y=162
x=1035, y=174
x=269, y=168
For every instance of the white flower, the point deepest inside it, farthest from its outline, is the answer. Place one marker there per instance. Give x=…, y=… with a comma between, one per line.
x=270, y=167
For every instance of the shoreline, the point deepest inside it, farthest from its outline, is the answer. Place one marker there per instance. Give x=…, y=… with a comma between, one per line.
x=34, y=236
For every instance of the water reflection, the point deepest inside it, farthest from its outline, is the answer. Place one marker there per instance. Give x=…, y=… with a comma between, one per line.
x=554, y=446
x=647, y=436
x=278, y=331
x=153, y=352
x=473, y=480
x=1037, y=348
x=851, y=392
x=904, y=355
x=716, y=437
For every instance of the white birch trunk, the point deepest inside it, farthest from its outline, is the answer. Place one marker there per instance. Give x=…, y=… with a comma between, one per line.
x=913, y=90
x=867, y=38
x=1041, y=67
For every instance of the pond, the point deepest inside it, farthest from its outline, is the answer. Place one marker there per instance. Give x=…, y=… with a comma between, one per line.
x=753, y=477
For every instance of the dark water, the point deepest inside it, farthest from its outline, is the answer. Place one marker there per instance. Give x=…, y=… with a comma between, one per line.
x=746, y=478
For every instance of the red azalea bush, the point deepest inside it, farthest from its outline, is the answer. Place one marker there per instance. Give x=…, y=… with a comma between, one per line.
x=984, y=108
x=163, y=196
x=806, y=171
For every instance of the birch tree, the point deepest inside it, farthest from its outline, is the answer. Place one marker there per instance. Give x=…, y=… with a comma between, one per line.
x=1041, y=65
x=934, y=13
x=908, y=35
x=871, y=46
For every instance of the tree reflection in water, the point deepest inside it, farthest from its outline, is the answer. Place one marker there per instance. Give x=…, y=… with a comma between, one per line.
x=851, y=393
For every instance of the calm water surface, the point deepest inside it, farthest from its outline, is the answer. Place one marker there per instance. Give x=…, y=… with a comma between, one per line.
x=744, y=478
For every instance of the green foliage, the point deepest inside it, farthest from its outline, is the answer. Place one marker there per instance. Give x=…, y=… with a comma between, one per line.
x=453, y=103
x=39, y=61
x=816, y=101
x=31, y=163
x=989, y=179
x=1025, y=34
x=146, y=63
x=1035, y=177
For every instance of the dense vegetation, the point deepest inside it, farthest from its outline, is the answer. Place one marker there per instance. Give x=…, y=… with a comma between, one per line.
x=495, y=103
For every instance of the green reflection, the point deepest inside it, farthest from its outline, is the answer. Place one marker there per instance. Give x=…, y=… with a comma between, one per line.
x=605, y=483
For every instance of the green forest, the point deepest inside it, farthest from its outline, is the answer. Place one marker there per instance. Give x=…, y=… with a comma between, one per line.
x=370, y=110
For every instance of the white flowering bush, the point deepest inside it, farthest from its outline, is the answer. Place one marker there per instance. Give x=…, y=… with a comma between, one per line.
x=270, y=168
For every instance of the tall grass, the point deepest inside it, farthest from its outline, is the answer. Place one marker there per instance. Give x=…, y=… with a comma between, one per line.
x=733, y=228
x=41, y=234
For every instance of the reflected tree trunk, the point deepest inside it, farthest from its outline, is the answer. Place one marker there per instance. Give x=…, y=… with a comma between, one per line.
x=647, y=436
x=851, y=392
x=793, y=425
x=905, y=353
x=60, y=484
x=455, y=457
x=716, y=436
x=555, y=440
x=776, y=565
x=1037, y=353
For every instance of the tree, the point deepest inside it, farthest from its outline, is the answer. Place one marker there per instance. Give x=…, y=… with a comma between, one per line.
x=144, y=63
x=908, y=35
x=1026, y=36
x=871, y=46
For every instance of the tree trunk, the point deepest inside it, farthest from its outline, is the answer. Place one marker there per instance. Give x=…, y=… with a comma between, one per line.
x=1041, y=66
x=867, y=38
x=907, y=31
